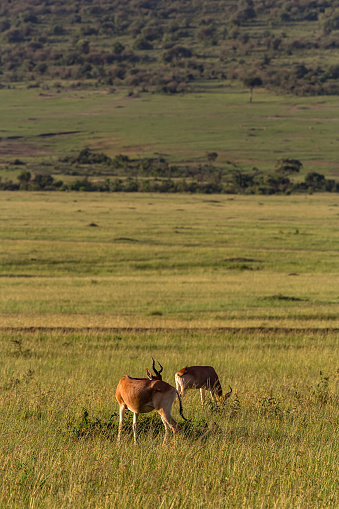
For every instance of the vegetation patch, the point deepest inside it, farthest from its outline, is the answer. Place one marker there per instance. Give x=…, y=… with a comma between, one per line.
x=168, y=47
x=287, y=298
x=88, y=427
x=158, y=176
x=85, y=426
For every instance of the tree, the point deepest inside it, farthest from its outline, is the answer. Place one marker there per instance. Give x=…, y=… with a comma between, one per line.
x=14, y=36
x=176, y=53
x=24, y=178
x=251, y=82
x=118, y=48
x=142, y=44
x=288, y=166
x=42, y=181
x=212, y=156
x=315, y=181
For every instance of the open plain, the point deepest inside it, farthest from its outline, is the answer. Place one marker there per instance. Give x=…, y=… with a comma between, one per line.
x=93, y=286
x=236, y=100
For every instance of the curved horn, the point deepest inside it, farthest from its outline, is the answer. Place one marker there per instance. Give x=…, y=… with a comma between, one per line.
x=153, y=366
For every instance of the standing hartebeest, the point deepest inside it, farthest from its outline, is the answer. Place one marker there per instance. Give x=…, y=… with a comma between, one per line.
x=203, y=378
x=142, y=395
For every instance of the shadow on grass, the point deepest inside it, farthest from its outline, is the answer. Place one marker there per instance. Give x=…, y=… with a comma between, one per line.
x=261, y=408
x=86, y=426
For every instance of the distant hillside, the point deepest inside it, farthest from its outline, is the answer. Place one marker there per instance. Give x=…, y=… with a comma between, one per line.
x=170, y=46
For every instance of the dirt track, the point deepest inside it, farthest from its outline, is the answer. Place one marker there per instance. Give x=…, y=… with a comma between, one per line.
x=169, y=329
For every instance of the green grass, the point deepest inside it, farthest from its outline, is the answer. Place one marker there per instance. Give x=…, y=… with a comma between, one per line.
x=247, y=284
x=182, y=127
x=168, y=260
x=272, y=445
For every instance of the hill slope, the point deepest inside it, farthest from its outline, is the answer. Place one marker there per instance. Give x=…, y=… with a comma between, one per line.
x=169, y=46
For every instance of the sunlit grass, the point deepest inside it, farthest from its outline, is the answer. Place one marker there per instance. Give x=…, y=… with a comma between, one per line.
x=274, y=442
x=220, y=300
x=171, y=261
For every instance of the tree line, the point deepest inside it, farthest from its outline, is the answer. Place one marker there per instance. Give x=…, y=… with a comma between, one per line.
x=97, y=172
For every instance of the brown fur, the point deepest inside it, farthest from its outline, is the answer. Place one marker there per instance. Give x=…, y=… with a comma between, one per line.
x=199, y=377
x=143, y=395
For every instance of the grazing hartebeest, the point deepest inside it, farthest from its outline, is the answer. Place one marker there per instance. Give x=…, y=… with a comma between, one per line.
x=142, y=395
x=203, y=378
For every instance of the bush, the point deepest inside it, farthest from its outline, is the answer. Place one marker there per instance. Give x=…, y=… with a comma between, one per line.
x=14, y=36
x=88, y=156
x=142, y=44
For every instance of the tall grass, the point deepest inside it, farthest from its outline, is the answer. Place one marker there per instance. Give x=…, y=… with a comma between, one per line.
x=274, y=444
x=165, y=276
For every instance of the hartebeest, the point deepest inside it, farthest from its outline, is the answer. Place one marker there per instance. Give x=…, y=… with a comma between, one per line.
x=203, y=378
x=142, y=395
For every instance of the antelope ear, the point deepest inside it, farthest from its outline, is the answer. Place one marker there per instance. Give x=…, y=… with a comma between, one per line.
x=149, y=374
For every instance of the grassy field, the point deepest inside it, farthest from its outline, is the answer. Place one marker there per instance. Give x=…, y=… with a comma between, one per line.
x=43, y=127
x=134, y=260
x=274, y=444
x=93, y=286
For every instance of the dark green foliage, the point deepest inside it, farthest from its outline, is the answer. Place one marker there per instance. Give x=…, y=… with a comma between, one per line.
x=251, y=82
x=212, y=156
x=42, y=181
x=156, y=175
x=279, y=296
x=82, y=185
x=69, y=40
x=24, y=179
x=142, y=44
x=288, y=166
x=14, y=36
x=118, y=47
x=315, y=181
x=176, y=53
x=120, y=161
x=88, y=156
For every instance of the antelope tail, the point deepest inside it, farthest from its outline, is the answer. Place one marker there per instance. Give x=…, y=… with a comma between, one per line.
x=180, y=407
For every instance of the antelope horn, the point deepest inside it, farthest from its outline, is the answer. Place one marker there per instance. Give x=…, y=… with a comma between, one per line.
x=155, y=371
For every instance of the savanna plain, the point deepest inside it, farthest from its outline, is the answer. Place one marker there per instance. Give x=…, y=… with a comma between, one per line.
x=93, y=286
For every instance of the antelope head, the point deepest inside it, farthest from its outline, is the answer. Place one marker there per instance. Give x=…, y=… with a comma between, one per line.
x=157, y=375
